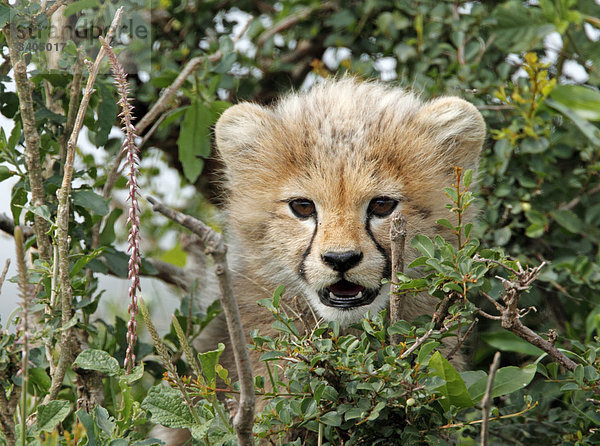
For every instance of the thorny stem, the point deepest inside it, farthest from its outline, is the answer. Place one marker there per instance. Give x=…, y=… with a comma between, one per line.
x=132, y=153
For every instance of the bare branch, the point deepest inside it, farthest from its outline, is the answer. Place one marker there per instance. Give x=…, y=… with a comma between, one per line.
x=32, y=141
x=291, y=20
x=72, y=112
x=442, y=310
x=422, y=340
x=462, y=339
x=398, y=240
x=575, y=201
x=511, y=314
x=215, y=246
x=486, y=401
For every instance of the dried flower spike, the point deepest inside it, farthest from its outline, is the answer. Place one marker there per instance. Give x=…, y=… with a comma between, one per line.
x=133, y=221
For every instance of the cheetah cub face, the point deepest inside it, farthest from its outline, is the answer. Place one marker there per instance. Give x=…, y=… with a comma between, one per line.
x=313, y=180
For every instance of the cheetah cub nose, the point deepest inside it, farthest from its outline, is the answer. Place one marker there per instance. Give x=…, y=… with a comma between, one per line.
x=342, y=261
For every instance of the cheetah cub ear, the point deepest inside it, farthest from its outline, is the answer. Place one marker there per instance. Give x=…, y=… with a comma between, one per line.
x=239, y=131
x=457, y=129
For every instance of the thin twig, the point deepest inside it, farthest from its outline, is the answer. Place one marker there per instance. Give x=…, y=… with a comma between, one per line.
x=442, y=310
x=422, y=340
x=215, y=246
x=62, y=221
x=72, y=111
x=486, y=402
x=398, y=240
x=462, y=339
x=575, y=201
x=52, y=9
x=291, y=20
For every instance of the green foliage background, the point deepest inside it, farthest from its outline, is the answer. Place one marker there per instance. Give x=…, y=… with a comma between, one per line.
x=539, y=178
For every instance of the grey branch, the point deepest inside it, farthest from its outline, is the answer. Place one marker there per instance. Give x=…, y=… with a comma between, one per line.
x=511, y=314
x=398, y=241
x=215, y=246
x=32, y=141
x=486, y=402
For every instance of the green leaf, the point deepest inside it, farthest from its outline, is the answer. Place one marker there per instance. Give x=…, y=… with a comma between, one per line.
x=568, y=220
x=15, y=135
x=17, y=201
x=80, y=6
x=91, y=201
x=136, y=374
x=89, y=425
x=99, y=360
x=584, y=101
x=509, y=342
x=534, y=145
x=104, y=421
x=49, y=415
x=507, y=380
x=41, y=211
x=277, y=295
x=4, y=14
x=108, y=234
x=225, y=63
x=168, y=407
x=107, y=114
x=424, y=245
x=425, y=350
x=5, y=173
x=209, y=361
x=194, y=139
x=519, y=28
x=199, y=431
x=590, y=131
x=468, y=178
x=454, y=389
x=84, y=260
x=331, y=419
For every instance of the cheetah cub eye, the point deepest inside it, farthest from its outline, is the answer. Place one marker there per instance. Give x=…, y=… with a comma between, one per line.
x=303, y=208
x=382, y=206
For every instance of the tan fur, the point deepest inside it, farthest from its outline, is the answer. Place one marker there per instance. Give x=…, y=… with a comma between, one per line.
x=340, y=145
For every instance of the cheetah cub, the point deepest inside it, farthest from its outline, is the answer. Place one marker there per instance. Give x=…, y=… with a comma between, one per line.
x=311, y=182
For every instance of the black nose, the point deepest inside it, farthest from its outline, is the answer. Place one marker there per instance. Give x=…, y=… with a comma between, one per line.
x=342, y=261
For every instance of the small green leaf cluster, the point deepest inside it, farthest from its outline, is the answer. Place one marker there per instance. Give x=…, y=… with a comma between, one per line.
x=357, y=388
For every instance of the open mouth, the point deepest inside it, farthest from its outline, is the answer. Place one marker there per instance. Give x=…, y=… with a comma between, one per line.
x=344, y=294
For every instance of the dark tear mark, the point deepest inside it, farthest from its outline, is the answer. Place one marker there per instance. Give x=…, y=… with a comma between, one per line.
x=387, y=270
x=301, y=268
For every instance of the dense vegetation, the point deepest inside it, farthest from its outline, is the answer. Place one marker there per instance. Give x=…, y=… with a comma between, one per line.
x=532, y=68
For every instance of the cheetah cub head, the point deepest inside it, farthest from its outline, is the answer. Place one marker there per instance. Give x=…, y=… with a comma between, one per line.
x=312, y=181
